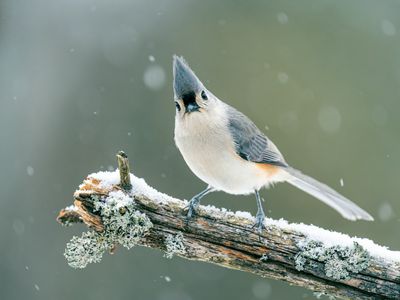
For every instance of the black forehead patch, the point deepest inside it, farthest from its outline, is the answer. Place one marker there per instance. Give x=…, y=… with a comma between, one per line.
x=189, y=97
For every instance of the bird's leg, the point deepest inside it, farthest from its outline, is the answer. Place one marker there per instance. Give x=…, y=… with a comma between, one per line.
x=260, y=216
x=195, y=201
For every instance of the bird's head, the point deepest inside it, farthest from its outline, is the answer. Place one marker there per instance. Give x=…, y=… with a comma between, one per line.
x=190, y=94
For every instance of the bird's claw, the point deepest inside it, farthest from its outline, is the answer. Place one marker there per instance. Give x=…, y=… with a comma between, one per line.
x=191, y=209
x=259, y=224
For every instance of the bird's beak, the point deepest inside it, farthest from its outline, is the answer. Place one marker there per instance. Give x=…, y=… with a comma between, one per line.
x=185, y=81
x=191, y=107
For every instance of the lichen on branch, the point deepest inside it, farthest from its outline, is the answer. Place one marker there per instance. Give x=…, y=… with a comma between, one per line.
x=174, y=245
x=123, y=225
x=339, y=261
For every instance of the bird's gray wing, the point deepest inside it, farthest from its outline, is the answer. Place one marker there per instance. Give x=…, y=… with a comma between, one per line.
x=251, y=144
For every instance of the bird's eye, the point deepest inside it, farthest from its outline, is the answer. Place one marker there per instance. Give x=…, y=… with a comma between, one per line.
x=204, y=95
x=178, y=107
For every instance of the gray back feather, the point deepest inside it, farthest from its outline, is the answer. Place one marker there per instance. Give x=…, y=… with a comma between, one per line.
x=251, y=144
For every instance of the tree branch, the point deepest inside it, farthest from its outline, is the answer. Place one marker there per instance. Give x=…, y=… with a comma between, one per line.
x=130, y=212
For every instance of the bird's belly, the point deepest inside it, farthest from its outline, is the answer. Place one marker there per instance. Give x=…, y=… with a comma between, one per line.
x=225, y=170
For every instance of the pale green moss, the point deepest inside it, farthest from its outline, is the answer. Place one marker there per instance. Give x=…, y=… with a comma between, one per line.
x=123, y=225
x=339, y=261
x=174, y=245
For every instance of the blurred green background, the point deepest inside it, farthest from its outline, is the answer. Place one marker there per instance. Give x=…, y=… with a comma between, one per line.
x=80, y=80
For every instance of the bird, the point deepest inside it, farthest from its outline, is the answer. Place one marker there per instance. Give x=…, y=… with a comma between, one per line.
x=227, y=151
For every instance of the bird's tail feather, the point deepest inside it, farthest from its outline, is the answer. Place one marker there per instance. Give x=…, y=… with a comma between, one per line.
x=321, y=191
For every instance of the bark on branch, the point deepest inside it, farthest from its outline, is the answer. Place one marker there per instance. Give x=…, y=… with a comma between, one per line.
x=130, y=212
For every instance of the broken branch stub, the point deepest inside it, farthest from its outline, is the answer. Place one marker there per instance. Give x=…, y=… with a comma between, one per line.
x=124, y=171
x=304, y=255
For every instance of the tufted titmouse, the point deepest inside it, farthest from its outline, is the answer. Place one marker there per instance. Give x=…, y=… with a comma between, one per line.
x=228, y=152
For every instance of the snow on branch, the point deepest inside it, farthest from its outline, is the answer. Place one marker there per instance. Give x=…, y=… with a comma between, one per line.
x=122, y=210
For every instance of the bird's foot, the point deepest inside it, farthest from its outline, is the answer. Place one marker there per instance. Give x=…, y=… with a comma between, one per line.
x=260, y=223
x=191, y=208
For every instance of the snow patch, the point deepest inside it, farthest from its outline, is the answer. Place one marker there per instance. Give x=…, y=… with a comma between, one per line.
x=331, y=238
x=139, y=185
x=71, y=208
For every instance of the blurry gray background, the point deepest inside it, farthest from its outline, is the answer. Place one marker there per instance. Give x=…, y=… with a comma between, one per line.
x=82, y=79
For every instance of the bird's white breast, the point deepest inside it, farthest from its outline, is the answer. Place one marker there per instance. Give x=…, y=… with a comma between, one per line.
x=206, y=144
